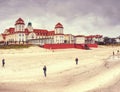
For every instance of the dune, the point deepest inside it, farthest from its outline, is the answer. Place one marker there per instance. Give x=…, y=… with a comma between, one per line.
x=97, y=71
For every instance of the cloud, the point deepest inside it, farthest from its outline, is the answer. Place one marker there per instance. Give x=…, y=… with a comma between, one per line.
x=77, y=16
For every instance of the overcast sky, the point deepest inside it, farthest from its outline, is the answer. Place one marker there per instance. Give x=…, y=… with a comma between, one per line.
x=83, y=17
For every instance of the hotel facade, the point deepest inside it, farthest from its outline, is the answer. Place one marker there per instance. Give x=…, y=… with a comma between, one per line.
x=28, y=35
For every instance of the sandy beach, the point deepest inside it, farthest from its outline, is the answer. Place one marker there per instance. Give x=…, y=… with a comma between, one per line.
x=97, y=71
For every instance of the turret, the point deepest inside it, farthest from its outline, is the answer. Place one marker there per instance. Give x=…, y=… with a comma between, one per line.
x=29, y=26
x=58, y=28
x=19, y=25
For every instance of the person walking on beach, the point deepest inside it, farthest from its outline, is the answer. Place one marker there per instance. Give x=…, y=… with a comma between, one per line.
x=118, y=53
x=3, y=62
x=45, y=69
x=113, y=53
x=76, y=60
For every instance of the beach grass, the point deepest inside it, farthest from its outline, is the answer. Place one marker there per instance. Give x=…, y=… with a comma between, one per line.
x=20, y=46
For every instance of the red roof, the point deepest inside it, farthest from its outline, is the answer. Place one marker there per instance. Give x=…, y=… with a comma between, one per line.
x=43, y=32
x=79, y=36
x=94, y=36
x=58, y=25
x=98, y=36
x=50, y=33
x=20, y=21
x=11, y=30
x=4, y=36
x=26, y=31
x=90, y=36
x=40, y=31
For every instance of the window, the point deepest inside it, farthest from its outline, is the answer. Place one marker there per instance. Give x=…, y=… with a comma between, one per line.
x=19, y=28
x=32, y=35
x=19, y=39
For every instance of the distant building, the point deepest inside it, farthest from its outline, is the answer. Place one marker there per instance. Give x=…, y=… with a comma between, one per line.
x=80, y=39
x=91, y=39
x=28, y=35
x=117, y=40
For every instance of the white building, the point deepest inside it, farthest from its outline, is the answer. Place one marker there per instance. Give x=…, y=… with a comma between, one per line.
x=80, y=39
x=21, y=35
x=28, y=35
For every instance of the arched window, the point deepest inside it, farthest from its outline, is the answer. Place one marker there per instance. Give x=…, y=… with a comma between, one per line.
x=32, y=36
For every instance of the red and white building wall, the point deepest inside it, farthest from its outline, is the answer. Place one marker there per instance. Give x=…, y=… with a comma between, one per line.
x=28, y=35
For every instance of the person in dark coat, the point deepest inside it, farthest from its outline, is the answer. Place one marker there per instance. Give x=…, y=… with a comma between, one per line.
x=45, y=69
x=3, y=62
x=76, y=60
x=118, y=54
x=113, y=53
